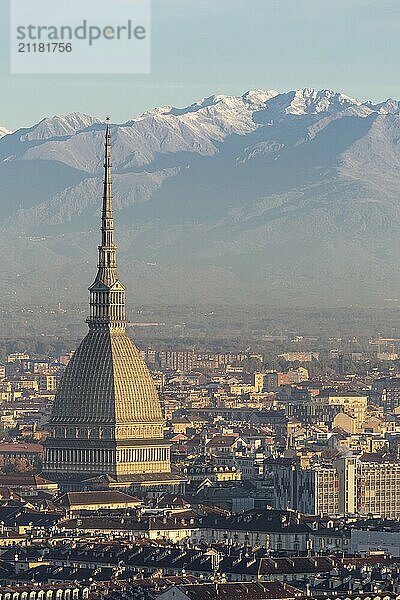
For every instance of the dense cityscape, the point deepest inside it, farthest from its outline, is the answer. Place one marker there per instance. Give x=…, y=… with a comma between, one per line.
x=278, y=476
x=199, y=318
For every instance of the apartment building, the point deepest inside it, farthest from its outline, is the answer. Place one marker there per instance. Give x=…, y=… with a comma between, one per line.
x=350, y=486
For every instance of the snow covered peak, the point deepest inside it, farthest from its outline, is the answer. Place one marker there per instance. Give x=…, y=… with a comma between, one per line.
x=4, y=131
x=312, y=101
x=258, y=97
x=250, y=100
x=296, y=102
x=216, y=100
x=389, y=106
x=59, y=126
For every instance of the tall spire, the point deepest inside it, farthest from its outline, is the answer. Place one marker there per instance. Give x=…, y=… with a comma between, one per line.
x=107, y=294
x=107, y=251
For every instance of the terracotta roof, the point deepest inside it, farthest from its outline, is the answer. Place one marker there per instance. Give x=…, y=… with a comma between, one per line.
x=239, y=591
x=371, y=457
x=23, y=479
x=222, y=440
x=96, y=498
x=20, y=447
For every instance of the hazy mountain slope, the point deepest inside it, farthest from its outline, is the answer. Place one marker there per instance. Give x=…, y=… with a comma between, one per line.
x=267, y=197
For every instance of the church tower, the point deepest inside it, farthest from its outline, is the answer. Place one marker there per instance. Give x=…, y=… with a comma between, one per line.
x=106, y=417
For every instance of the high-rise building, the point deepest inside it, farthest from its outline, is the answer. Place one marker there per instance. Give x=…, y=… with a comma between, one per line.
x=258, y=382
x=176, y=360
x=47, y=383
x=349, y=486
x=106, y=418
x=271, y=381
x=386, y=393
x=378, y=489
x=310, y=491
x=346, y=468
x=369, y=487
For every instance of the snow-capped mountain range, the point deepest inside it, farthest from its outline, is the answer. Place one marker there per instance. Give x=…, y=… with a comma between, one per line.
x=265, y=197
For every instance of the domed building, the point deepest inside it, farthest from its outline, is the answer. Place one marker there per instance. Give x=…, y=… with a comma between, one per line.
x=106, y=423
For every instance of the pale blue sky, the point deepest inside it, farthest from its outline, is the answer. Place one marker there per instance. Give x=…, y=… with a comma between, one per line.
x=201, y=47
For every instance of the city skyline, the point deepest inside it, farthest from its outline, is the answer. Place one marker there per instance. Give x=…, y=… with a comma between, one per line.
x=222, y=419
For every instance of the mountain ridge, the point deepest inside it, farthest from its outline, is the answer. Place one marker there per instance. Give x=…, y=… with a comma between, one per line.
x=4, y=131
x=276, y=197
